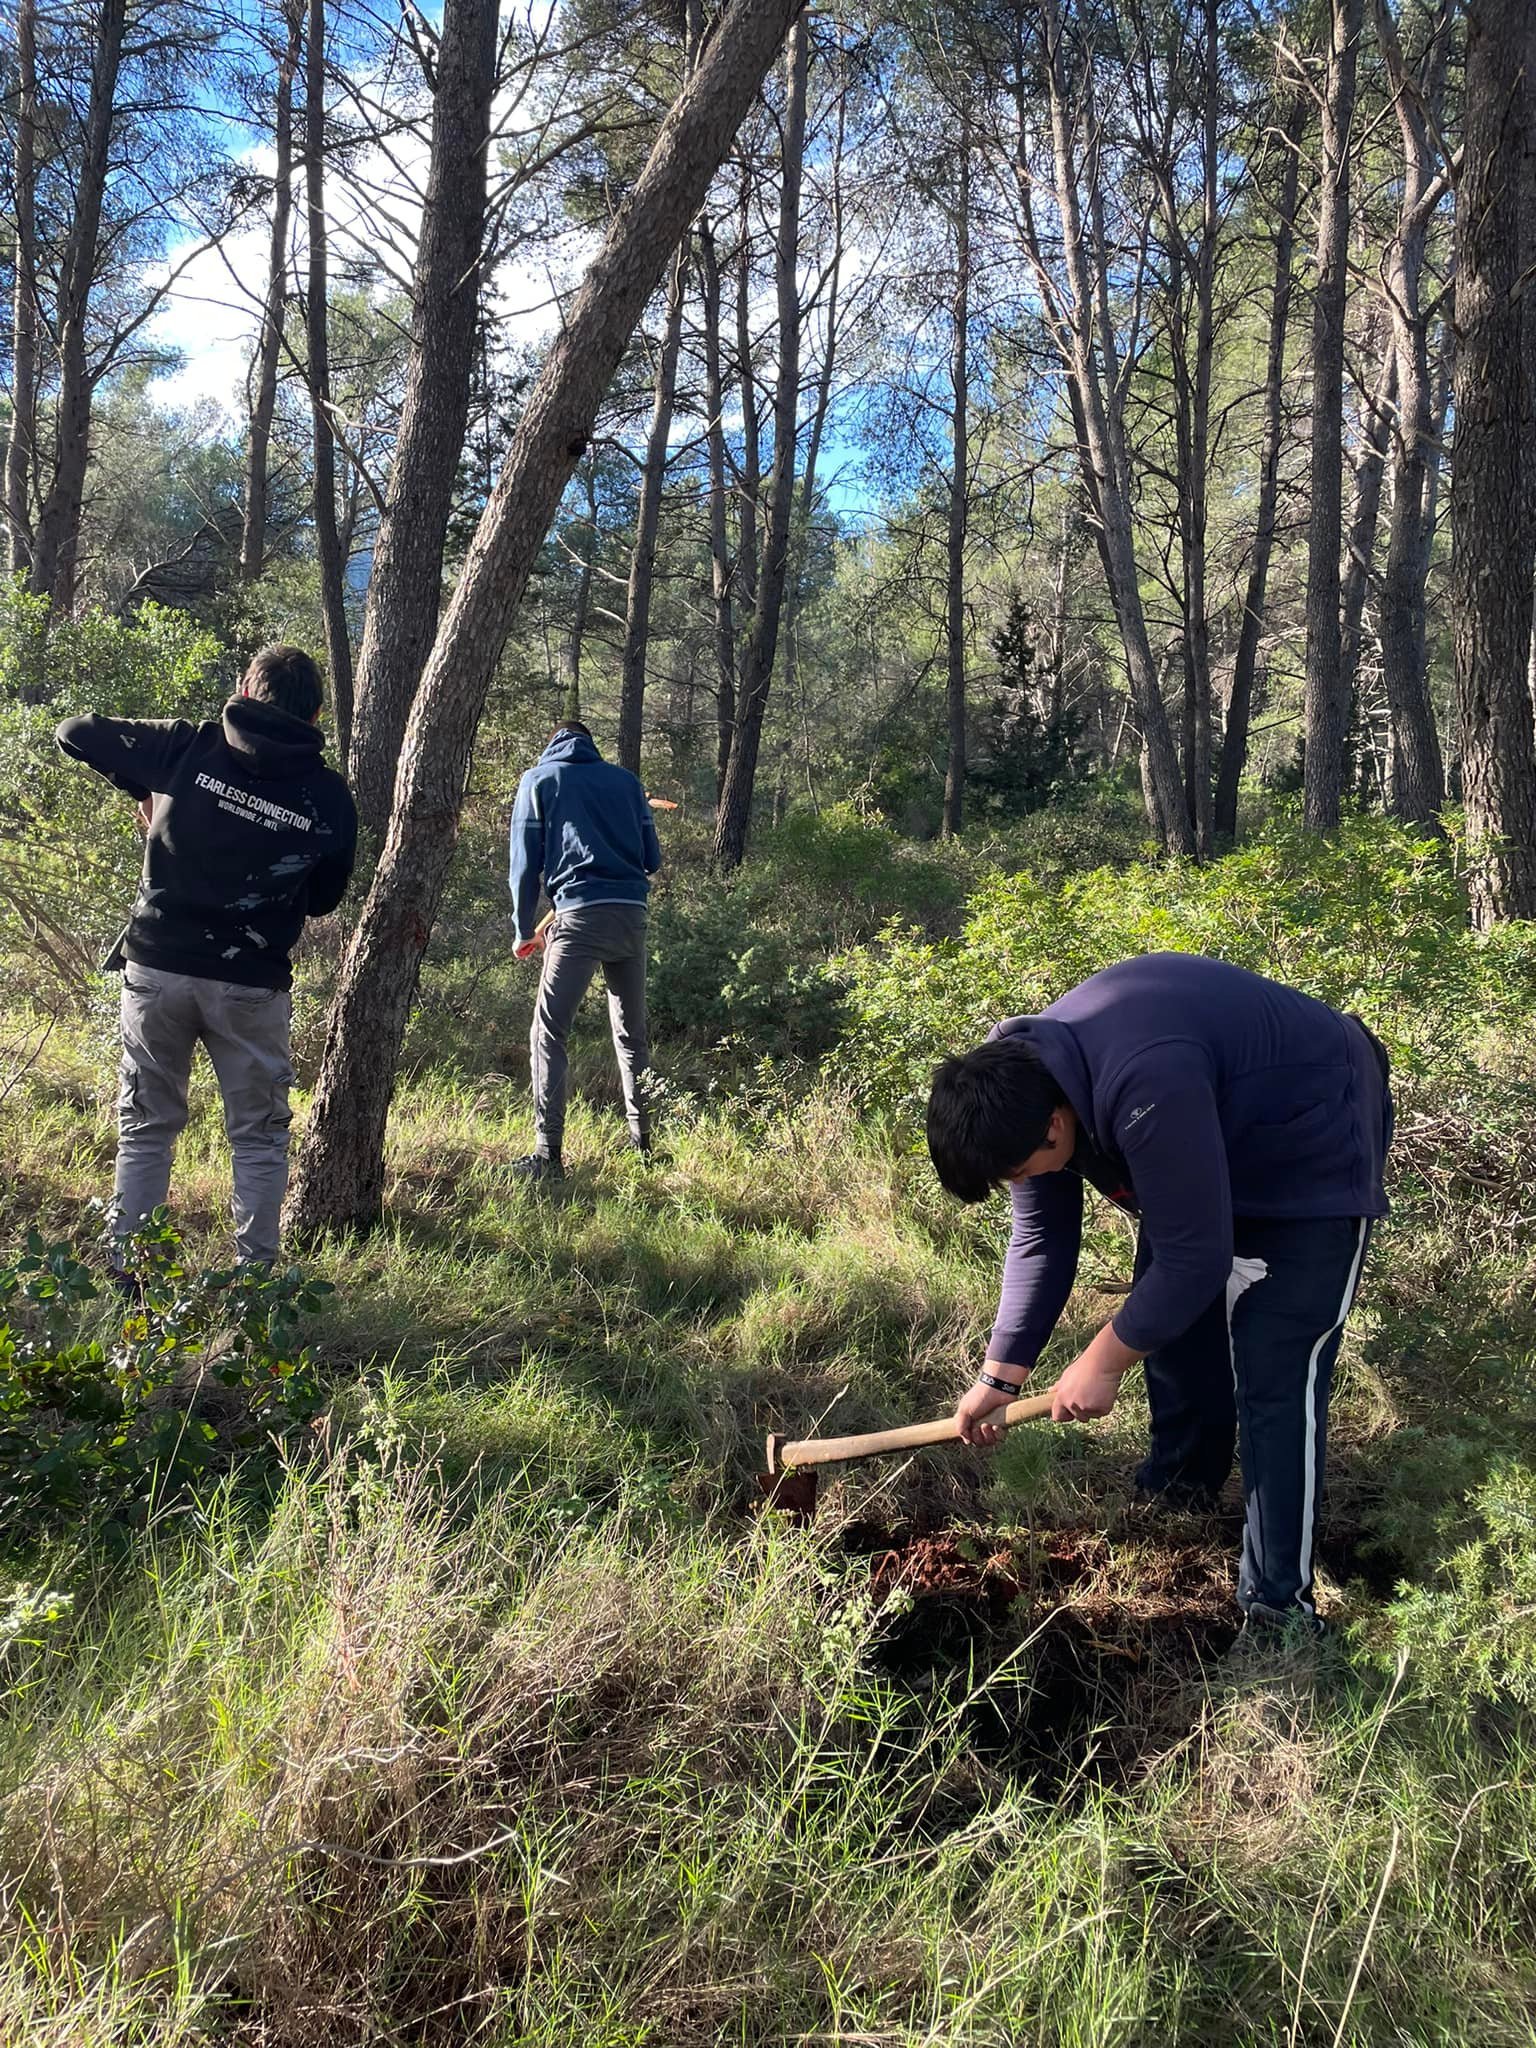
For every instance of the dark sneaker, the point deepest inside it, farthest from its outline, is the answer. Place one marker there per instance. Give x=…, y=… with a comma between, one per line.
x=1278, y=1627
x=538, y=1167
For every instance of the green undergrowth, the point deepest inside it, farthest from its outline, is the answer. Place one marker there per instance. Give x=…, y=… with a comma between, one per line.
x=476, y=1706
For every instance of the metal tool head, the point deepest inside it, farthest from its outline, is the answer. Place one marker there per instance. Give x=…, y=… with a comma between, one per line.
x=790, y=1492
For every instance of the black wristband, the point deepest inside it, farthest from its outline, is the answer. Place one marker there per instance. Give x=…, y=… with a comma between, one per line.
x=999, y=1386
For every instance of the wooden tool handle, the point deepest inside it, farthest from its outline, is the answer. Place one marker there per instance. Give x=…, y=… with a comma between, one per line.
x=841, y=1450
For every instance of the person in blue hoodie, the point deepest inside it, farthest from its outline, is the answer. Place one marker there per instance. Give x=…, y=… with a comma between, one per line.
x=582, y=830
x=1245, y=1126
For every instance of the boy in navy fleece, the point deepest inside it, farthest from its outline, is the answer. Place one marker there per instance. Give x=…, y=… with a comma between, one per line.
x=582, y=829
x=1245, y=1125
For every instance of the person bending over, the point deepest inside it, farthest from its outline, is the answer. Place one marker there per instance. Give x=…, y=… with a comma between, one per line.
x=582, y=828
x=247, y=834
x=1245, y=1126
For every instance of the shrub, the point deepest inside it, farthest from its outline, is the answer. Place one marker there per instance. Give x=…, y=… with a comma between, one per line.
x=69, y=852
x=1474, y=1638
x=1372, y=919
x=96, y=1409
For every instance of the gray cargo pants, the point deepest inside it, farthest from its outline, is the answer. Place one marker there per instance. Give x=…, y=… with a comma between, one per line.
x=246, y=1031
x=610, y=936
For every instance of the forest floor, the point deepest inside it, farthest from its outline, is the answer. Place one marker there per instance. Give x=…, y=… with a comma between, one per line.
x=491, y=1711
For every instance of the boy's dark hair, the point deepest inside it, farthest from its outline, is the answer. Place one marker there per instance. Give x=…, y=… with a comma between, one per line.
x=287, y=678
x=987, y=1111
x=568, y=725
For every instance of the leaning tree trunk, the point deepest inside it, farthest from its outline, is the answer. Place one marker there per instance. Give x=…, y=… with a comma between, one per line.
x=21, y=450
x=734, y=820
x=1327, y=686
x=340, y=1178
x=1493, y=520
x=1234, y=742
x=405, y=588
x=749, y=494
x=333, y=604
x=58, y=527
x=719, y=546
x=642, y=561
x=959, y=497
x=253, y=532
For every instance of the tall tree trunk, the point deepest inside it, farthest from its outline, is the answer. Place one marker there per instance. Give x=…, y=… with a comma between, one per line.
x=735, y=815
x=719, y=546
x=748, y=502
x=1192, y=421
x=1493, y=518
x=1085, y=340
x=21, y=450
x=54, y=558
x=642, y=561
x=340, y=1179
x=575, y=639
x=1418, y=780
x=1365, y=516
x=406, y=586
x=1234, y=742
x=338, y=643
x=959, y=495
x=1327, y=687
x=253, y=532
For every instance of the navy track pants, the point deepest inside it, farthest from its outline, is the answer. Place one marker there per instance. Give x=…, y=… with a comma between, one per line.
x=1257, y=1367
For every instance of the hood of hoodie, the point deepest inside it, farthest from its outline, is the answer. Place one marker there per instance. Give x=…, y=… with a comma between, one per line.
x=1062, y=1057
x=569, y=749
x=271, y=743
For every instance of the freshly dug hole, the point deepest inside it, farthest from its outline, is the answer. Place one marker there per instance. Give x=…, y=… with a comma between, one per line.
x=1118, y=1639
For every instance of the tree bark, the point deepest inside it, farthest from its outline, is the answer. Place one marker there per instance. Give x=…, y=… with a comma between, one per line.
x=575, y=640
x=338, y=643
x=1418, y=777
x=1327, y=707
x=406, y=586
x=734, y=820
x=21, y=450
x=748, y=503
x=719, y=546
x=959, y=497
x=642, y=561
x=57, y=545
x=1234, y=742
x=1365, y=517
x=340, y=1179
x=1493, y=520
x=1084, y=338
x=253, y=533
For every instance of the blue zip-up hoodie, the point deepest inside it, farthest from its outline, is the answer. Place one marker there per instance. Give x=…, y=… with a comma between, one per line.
x=1202, y=1092
x=583, y=828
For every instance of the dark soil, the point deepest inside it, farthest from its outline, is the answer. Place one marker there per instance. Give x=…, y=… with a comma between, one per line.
x=1117, y=1640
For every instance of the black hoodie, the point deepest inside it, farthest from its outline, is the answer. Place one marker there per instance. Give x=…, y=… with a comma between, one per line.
x=252, y=834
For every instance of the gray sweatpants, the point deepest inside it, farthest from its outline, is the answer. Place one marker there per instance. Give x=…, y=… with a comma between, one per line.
x=610, y=936
x=247, y=1033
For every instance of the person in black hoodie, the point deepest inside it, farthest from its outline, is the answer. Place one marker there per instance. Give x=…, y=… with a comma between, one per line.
x=247, y=834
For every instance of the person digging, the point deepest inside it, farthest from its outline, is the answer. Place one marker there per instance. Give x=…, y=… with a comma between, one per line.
x=582, y=828
x=1245, y=1126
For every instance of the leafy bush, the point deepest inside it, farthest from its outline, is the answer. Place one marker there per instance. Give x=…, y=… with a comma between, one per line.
x=69, y=852
x=1371, y=920
x=95, y=1408
x=1475, y=1637
x=715, y=975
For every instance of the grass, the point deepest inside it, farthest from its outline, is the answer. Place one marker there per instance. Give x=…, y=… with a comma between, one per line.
x=488, y=1715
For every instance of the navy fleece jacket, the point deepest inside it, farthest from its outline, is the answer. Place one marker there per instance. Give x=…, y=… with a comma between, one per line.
x=583, y=828
x=1202, y=1092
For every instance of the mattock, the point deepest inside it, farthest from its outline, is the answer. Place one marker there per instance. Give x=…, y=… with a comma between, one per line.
x=790, y=1480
